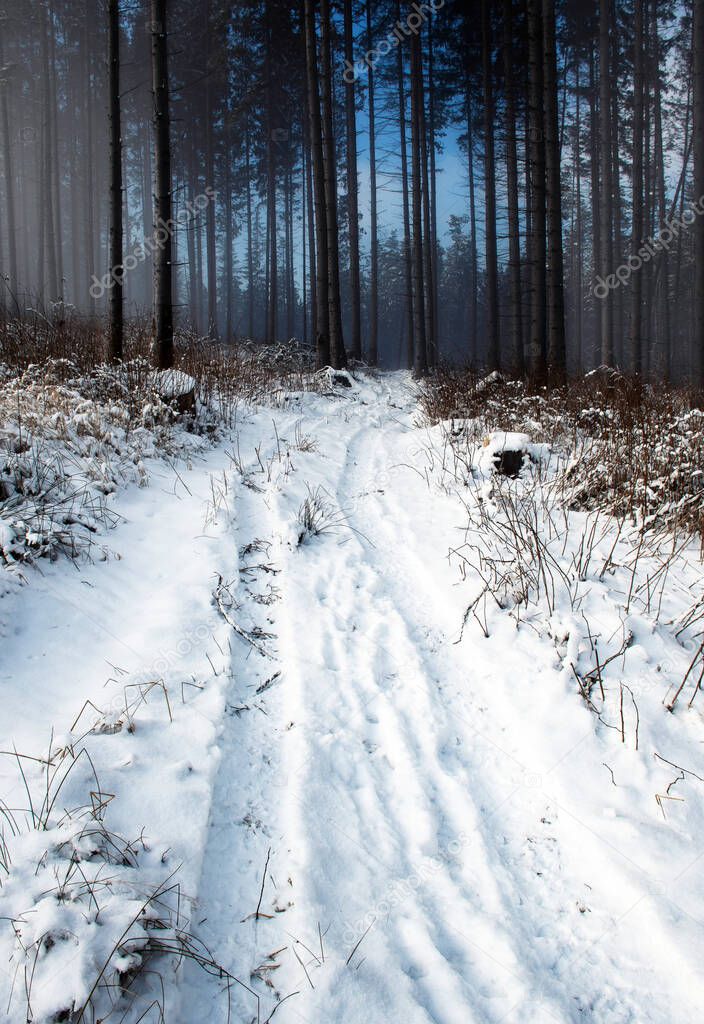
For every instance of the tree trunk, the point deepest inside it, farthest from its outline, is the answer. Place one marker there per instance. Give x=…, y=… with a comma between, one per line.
x=210, y=181
x=75, y=205
x=352, y=188
x=229, y=228
x=515, y=355
x=48, y=166
x=373, y=227
x=310, y=223
x=147, y=211
x=698, y=226
x=648, y=196
x=595, y=356
x=250, y=251
x=337, y=347
x=661, y=296
x=163, y=277
x=420, y=357
x=9, y=179
x=290, y=298
x=322, y=318
x=407, y=255
x=430, y=341
x=473, y=269
x=636, y=282
x=679, y=196
x=557, y=359
x=536, y=162
x=606, y=190
x=271, y=171
x=434, y=248
x=578, y=242
x=116, y=302
x=191, y=229
x=492, y=294
x=55, y=162
x=304, y=236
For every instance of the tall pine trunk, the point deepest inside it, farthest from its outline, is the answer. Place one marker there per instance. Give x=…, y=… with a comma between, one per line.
x=272, y=260
x=428, y=272
x=310, y=224
x=698, y=226
x=210, y=182
x=606, y=189
x=578, y=240
x=373, y=227
x=337, y=346
x=636, y=282
x=9, y=182
x=536, y=164
x=492, y=289
x=352, y=189
x=250, y=250
x=557, y=358
x=432, y=168
x=661, y=296
x=116, y=302
x=47, y=170
x=322, y=307
x=515, y=353
x=229, y=229
x=473, y=268
x=407, y=254
x=55, y=160
x=420, y=356
x=163, y=271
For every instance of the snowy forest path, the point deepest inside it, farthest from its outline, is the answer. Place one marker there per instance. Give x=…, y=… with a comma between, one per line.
x=381, y=797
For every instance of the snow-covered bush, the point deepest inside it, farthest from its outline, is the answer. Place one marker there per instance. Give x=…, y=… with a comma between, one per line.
x=626, y=448
x=68, y=440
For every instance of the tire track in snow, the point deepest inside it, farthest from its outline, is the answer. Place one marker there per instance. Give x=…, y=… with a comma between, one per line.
x=371, y=797
x=539, y=889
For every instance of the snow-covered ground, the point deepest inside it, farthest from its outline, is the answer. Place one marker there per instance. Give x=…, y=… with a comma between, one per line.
x=375, y=812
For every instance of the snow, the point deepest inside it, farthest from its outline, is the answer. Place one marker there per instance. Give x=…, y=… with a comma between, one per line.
x=170, y=384
x=506, y=441
x=450, y=832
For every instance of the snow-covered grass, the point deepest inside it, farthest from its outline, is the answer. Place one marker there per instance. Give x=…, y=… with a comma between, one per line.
x=67, y=441
x=635, y=450
x=74, y=429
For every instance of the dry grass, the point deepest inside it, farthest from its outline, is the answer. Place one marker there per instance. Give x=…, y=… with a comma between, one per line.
x=319, y=515
x=225, y=373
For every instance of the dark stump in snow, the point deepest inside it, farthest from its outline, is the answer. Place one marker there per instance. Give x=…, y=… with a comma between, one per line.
x=509, y=463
